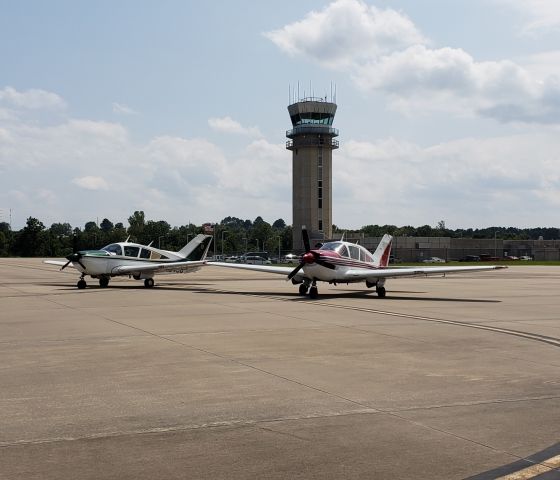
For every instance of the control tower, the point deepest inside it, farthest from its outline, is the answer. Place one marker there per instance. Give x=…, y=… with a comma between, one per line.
x=311, y=141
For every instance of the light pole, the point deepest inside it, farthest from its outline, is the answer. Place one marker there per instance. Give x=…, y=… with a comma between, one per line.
x=223, y=232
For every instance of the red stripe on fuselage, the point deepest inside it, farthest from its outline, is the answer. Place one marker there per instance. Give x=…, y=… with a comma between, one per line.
x=336, y=259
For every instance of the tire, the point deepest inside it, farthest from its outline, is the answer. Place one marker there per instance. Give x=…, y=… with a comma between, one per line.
x=82, y=284
x=381, y=292
x=303, y=289
x=313, y=293
x=149, y=282
x=104, y=282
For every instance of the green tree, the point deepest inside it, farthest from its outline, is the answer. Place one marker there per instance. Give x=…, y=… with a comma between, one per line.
x=106, y=226
x=31, y=242
x=137, y=222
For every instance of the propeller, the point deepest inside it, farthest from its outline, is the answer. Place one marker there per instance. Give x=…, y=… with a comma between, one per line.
x=74, y=257
x=310, y=256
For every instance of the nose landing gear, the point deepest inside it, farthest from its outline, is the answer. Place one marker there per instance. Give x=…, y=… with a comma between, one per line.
x=81, y=283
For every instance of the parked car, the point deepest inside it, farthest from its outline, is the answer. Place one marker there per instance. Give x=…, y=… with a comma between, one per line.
x=256, y=260
x=470, y=258
x=232, y=259
x=393, y=259
x=525, y=257
x=486, y=257
x=290, y=258
x=511, y=257
x=434, y=260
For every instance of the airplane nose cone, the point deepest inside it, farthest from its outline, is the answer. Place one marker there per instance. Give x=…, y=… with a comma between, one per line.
x=308, y=258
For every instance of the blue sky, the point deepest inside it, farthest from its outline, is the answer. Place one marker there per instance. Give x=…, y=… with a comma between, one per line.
x=446, y=109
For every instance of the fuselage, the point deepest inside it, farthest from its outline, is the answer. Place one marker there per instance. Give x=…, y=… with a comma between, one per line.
x=343, y=256
x=106, y=260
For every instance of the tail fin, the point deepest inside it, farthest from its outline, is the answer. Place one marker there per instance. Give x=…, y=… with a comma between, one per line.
x=197, y=248
x=383, y=251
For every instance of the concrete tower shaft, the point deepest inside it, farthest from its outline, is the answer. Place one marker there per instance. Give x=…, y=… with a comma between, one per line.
x=312, y=141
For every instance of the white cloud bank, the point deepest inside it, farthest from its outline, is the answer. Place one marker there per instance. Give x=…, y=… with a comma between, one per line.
x=88, y=169
x=79, y=170
x=32, y=99
x=383, y=51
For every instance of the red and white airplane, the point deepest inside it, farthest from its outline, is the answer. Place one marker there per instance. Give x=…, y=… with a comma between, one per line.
x=345, y=262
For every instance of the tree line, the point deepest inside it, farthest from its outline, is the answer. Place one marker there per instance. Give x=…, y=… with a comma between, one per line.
x=232, y=235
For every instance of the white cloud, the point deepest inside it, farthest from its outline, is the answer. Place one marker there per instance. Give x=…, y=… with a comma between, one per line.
x=121, y=109
x=91, y=183
x=346, y=32
x=228, y=125
x=510, y=180
x=383, y=51
x=32, y=99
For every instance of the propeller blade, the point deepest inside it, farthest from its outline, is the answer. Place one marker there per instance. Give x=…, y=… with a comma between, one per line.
x=305, y=237
x=294, y=272
x=65, y=265
x=75, y=257
x=325, y=264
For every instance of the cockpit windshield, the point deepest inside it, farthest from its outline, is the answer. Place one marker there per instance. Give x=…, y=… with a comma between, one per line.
x=337, y=247
x=114, y=248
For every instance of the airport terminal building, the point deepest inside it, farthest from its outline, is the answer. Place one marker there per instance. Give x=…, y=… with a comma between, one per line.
x=417, y=249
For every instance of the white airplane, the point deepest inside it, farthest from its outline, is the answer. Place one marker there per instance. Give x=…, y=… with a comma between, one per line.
x=138, y=261
x=344, y=262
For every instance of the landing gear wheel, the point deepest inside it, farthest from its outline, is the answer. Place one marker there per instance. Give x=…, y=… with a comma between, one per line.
x=370, y=284
x=149, y=282
x=303, y=289
x=82, y=284
x=104, y=282
x=313, y=293
x=381, y=292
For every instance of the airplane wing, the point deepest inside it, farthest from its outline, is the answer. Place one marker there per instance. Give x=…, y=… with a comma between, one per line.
x=60, y=263
x=158, y=267
x=257, y=268
x=366, y=274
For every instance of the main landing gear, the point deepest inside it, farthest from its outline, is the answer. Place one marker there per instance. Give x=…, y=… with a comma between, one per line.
x=312, y=291
x=149, y=282
x=379, y=288
x=103, y=282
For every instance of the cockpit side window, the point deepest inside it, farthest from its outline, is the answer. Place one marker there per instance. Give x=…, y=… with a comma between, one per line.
x=365, y=256
x=113, y=248
x=131, y=251
x=145, y=253
x=343, y=251
x=354, y=252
